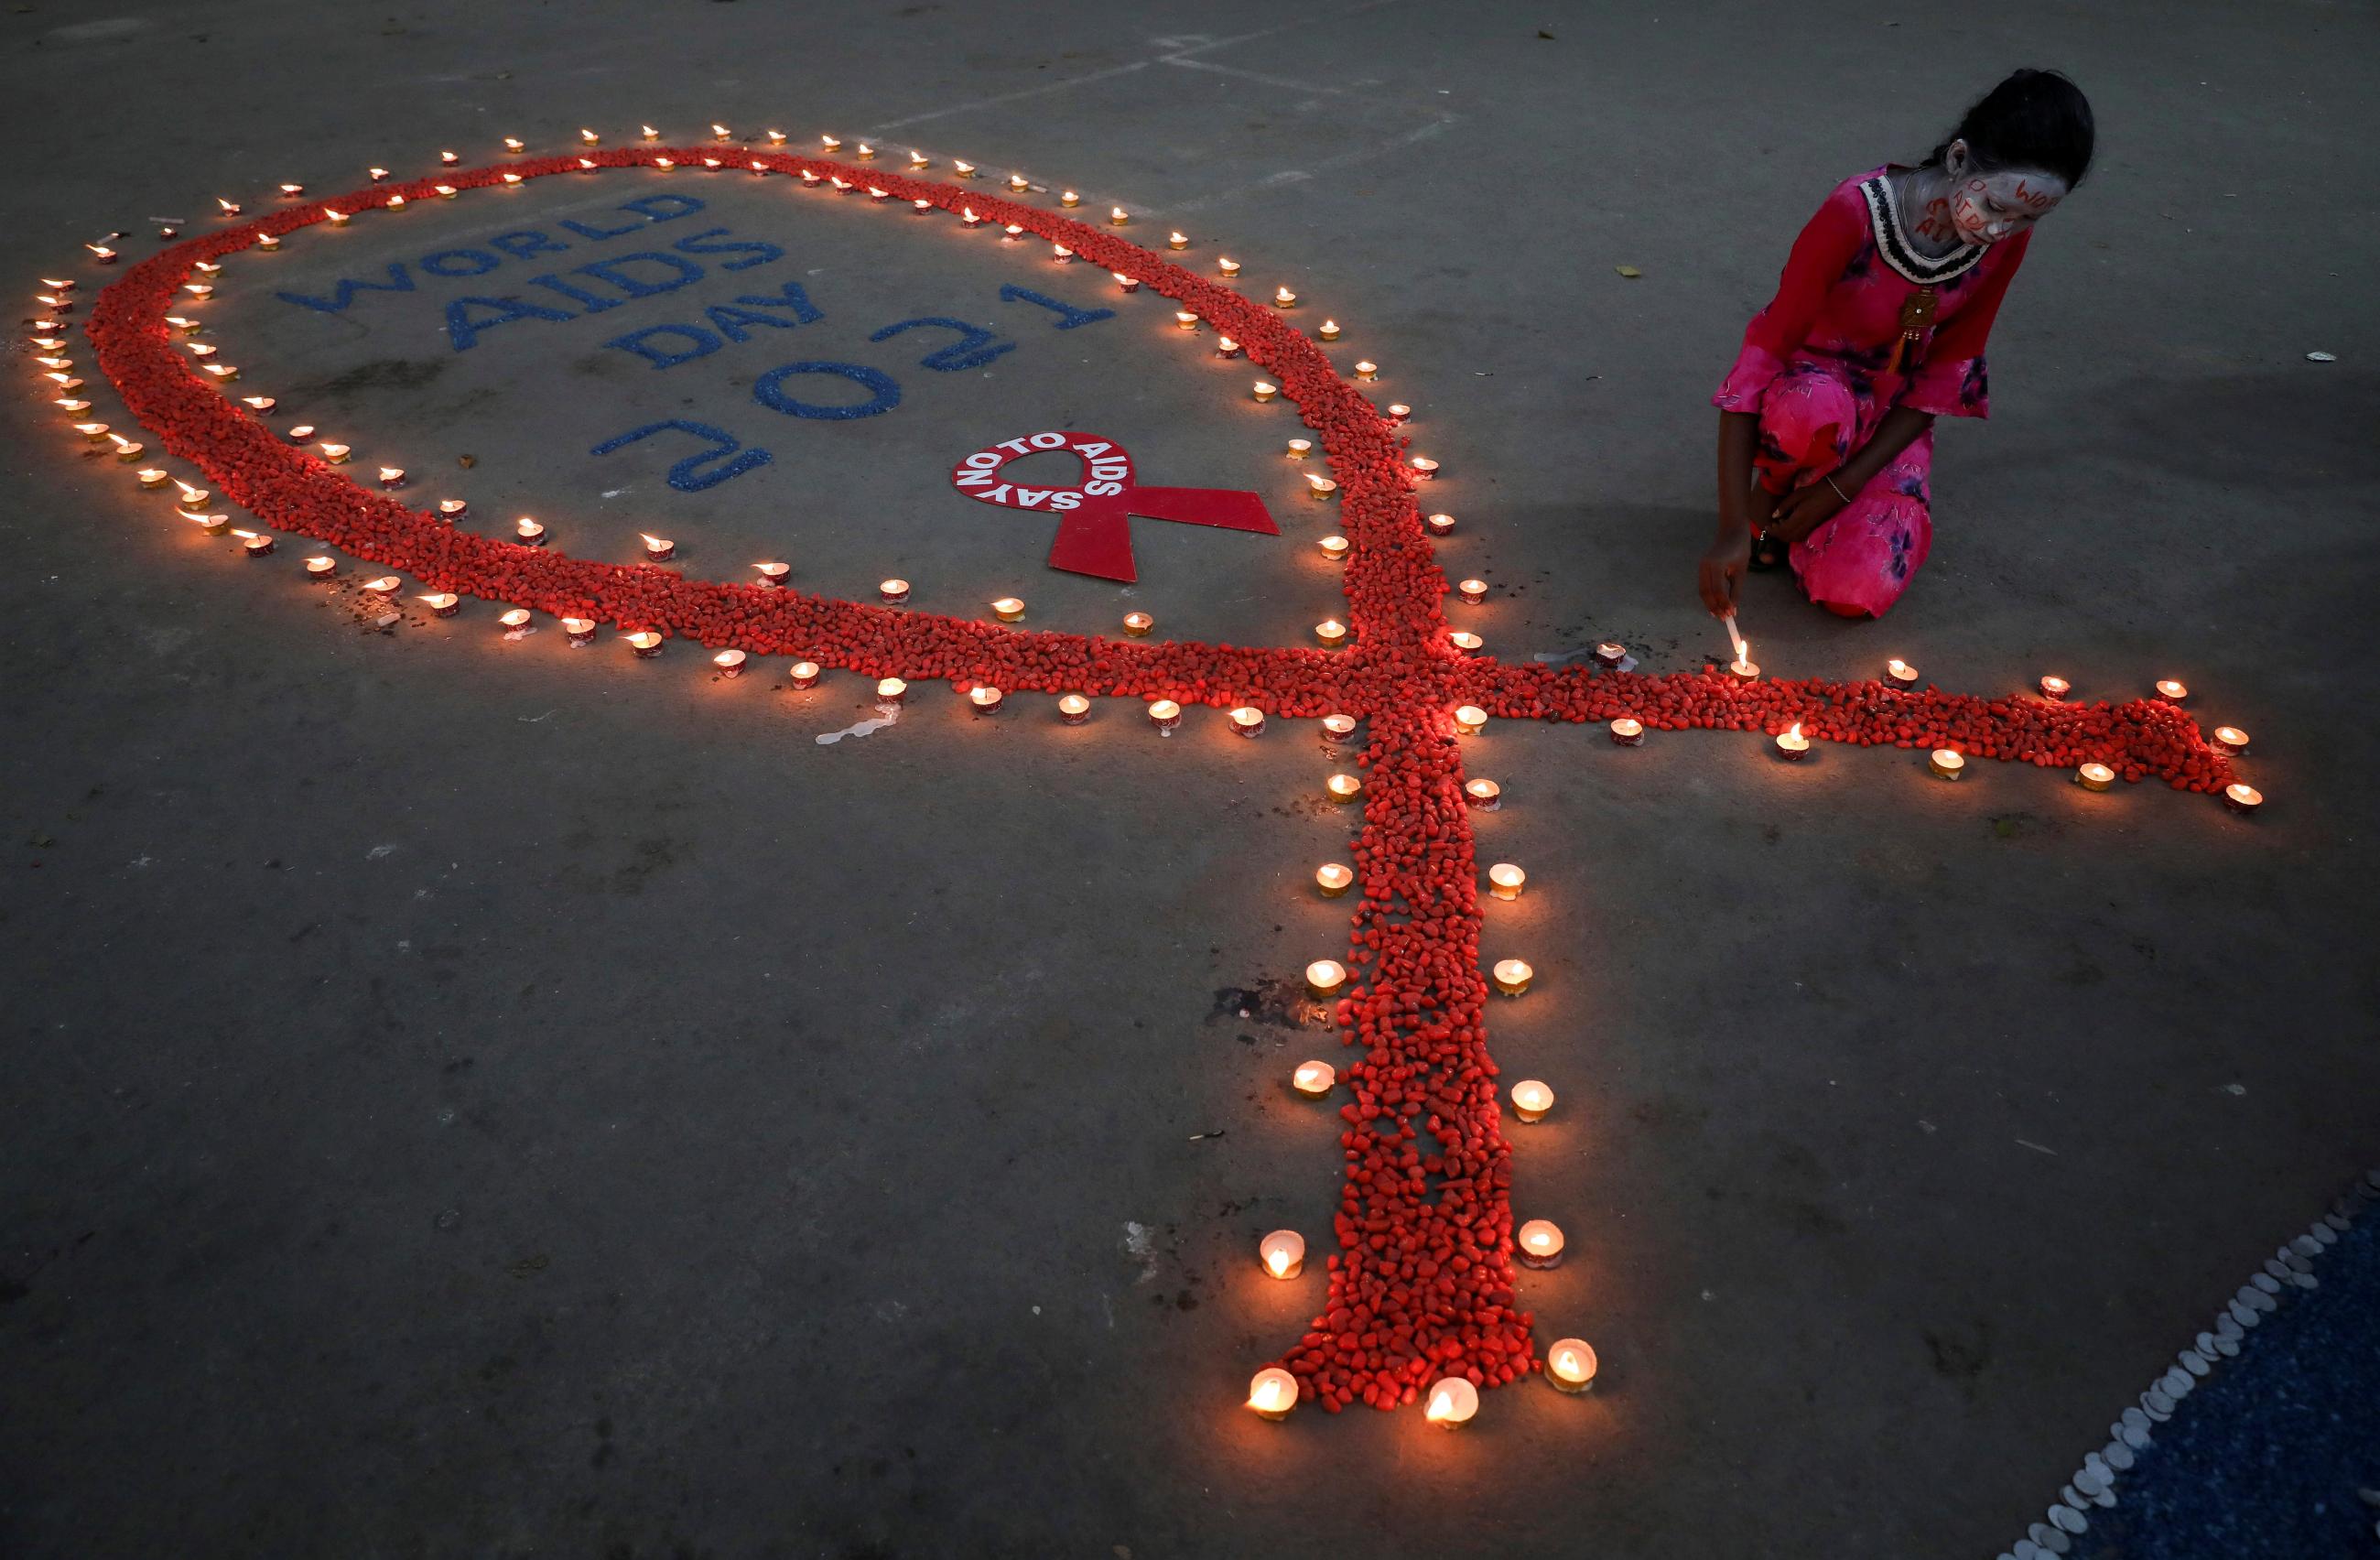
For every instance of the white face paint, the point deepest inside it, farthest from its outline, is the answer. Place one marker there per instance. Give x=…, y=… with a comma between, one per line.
x=1987, y=208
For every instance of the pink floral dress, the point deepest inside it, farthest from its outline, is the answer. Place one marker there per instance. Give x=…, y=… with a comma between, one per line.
x=1823, y=362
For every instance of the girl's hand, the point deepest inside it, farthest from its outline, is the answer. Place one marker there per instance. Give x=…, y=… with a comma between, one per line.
x=1804, y=510
x=1722, y=569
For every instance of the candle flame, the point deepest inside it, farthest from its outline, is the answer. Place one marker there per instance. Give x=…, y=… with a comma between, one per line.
x=1441, y=1404
x=1278, y=1261
x=1795, y=731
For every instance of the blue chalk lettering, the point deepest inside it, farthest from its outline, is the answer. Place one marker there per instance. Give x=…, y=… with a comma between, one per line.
x=529, y=242
x=685, y=476
x=639, y=342
x=972, y=350
x=399, y=280
x=442, y=263
x=644, y=205
x=1070, y=316
x=585, y=232
x=731, y=320
x=593, y=302
x=609, y=271
x=762, y=252
x=770, y=391
x=791, y=296
x=465, y=331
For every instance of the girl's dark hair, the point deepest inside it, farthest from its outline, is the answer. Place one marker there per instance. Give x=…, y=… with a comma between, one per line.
x=2035, y=119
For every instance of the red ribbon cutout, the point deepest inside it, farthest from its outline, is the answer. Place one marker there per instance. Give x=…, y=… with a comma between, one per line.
x=1094, y=526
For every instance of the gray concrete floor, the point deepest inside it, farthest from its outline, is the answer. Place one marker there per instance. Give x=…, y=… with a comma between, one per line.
x=473, y=1099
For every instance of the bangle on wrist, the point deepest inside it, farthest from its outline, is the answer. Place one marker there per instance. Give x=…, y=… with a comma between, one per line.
x=1839, y=492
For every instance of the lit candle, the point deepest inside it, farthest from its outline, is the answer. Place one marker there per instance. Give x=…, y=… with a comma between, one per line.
x=1532, y=1099
x=969, y=217
x=774, y=574
x=1324, y=976
x=65, y=382
x=985, y=698
x=1164, y=714
x=530, y=532
x=1464, y=640
x=648, y=133
x=230, y=208
x=1321, y=488
x=1366, y=368
x=1541, y=1242
x=1570, y=1365
x=1137, y=624
x=102, y=254
x=396, y=203
x=513, y=143
x=2095, y=777
x=214, y=524
x=1282, y=1253
x=450, y=158
x=1226, y=348
x=1331, y=633
x=2172, y=691
x=1506, y=881
x=918, y=159
x=863, y=150
x=1177, y=241
x=1423, y=468
x=256, y=544
x=1470, y=719
x=1008, y=609
x=1334, y=548
x=2241, y=798
x=579, y=632
x=1313, y=1080
x=894, y=590
x=71, y=405
x=890, y=690
x=803, y=673
x=337, y=217
x=517, y=623
x=1610, y=653
x=658, y=549
x=1074, y=709
x=1743, y=666
x=300, y=432
x=1333, y=879
x=1486, y=796
x=1117, y=216
x=730, y=662
x=335, y=453
x=392, y=476
x=1343, y=787
x=1900, y=673
x=384, y=585
x=223, y=371
x=1946, y=763
x=1300, y=448
x=646, y=643
x=1247, y=721
x=1453, y=1402
x=1264, y=390
x=1398, y=411
x=2056, y=687
x=2231, y=741
x=1272, y=1392
x=1439, y=524
x=1227, y=265
x=1337, y=729
x=1791, y=745
x=150, y=477
x=259, y=404
x=1512, y=976
x=1330, y=331
x=964, y=170
x=1129, y=284
x=1185, y=320
x=512, y=178
x=829, y=143
x=448, y=508
x=320, y=568
x=1019, y=183
x=267, y=244
x=1628, y=731
x=1284, y=299
x=92, y=431
x=124, y=448
x=441, y=604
